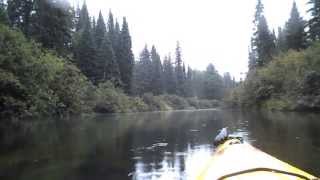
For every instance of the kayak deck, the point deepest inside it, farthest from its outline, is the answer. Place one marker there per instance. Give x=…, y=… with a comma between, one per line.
x=233, y=157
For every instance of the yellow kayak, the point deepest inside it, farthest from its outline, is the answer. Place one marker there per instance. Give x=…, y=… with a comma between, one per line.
x=237, y=160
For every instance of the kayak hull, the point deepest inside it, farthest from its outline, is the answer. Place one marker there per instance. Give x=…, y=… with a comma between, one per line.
x=233, y=156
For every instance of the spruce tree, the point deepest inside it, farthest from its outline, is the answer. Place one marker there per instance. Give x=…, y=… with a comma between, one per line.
x=189, y=85
x=143, y=70
x=281, y=42
x=52, y=25
x=213, y=84
x=125, y=56
x=157, y=72
x=295, y=34
x=169, y=76
x=19, y=13
x=314, y=22
x=263, y=45
x=111, y=29
x=84, y=18
x=106, y=63
x=100, y=31
x=179, y=71
x=84, y=47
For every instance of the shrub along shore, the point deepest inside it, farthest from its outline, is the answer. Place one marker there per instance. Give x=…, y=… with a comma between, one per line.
x=37, y=82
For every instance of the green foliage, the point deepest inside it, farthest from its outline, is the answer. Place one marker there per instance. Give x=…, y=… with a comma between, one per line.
x=19, y=13
x=314, y=22
x=262, y=42
x=179, y=72
x=52, y=24
x=111, y=100
x=176, y=102
x=36, y=82
x=289, y=82
x=142, y=79
x=155, y=103
x=156, y=73
x=294, y=31
x=125, y=56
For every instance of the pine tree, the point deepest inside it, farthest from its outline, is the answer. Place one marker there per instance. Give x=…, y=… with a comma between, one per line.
x=125, y=56
x=213, y=84
x=281, y=43
x=142, y=73
x=107, y=67
x=112, y=30
x=3, y=13
x=263, y=45
x=84, y=18
x=295, y=35
x=189, y=85
x=100, y=31
x=157, y=72
x=84, y=47
x=252, y=58
x=52, y=25
x=19, y=13
x=314, y=22
x=179, y=71
x=169, y=76
x=106, y=63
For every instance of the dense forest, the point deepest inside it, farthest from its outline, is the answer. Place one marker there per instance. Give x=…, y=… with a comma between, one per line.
x=284, y=69
x=56, y=59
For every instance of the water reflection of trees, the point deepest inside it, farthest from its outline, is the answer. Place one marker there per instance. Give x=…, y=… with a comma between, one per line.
x=137, y=146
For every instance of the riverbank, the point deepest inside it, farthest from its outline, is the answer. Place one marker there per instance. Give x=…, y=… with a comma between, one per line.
x=36, y=82
x=290, y=82
x=112, y=100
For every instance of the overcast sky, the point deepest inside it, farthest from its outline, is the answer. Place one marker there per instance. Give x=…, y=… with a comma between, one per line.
x=209, y=31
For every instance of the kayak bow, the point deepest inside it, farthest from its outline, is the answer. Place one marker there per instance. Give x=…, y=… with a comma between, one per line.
x=238, y=160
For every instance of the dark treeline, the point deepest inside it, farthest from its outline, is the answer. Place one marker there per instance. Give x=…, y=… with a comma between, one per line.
x=284, y=67
x=81, y=62
x=172, y=77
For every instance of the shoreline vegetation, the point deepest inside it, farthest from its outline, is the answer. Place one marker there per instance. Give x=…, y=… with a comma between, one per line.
x=284, y=69
x=36, y=82
x=57, y=60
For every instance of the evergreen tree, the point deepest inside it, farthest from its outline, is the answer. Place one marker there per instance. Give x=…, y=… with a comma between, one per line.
x=281, y=43
x=3, y=13
x=252, y=58
x=213, y=84
x=107, y=67
x=100, y=31
x=142, y=73
x=295, y=35
x=169, y=76
x=263, y=45
x=52, y=25
x=84, y=47
x=314, y=22
x=125, y=56
x=19, y=13
x=179, y=71
x=84, y=18
x=157, y=72
x=106, y=63
x=111, y=30
x=189, y=86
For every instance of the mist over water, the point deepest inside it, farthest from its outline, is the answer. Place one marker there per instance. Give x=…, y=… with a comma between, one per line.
x=161, y=145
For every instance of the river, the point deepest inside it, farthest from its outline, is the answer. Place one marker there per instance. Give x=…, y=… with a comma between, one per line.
x=142, y=146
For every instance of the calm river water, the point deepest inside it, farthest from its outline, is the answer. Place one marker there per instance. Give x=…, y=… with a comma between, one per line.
x=142, y=146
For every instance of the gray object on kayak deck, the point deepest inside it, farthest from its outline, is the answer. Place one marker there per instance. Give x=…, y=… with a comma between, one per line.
x=222, y=135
